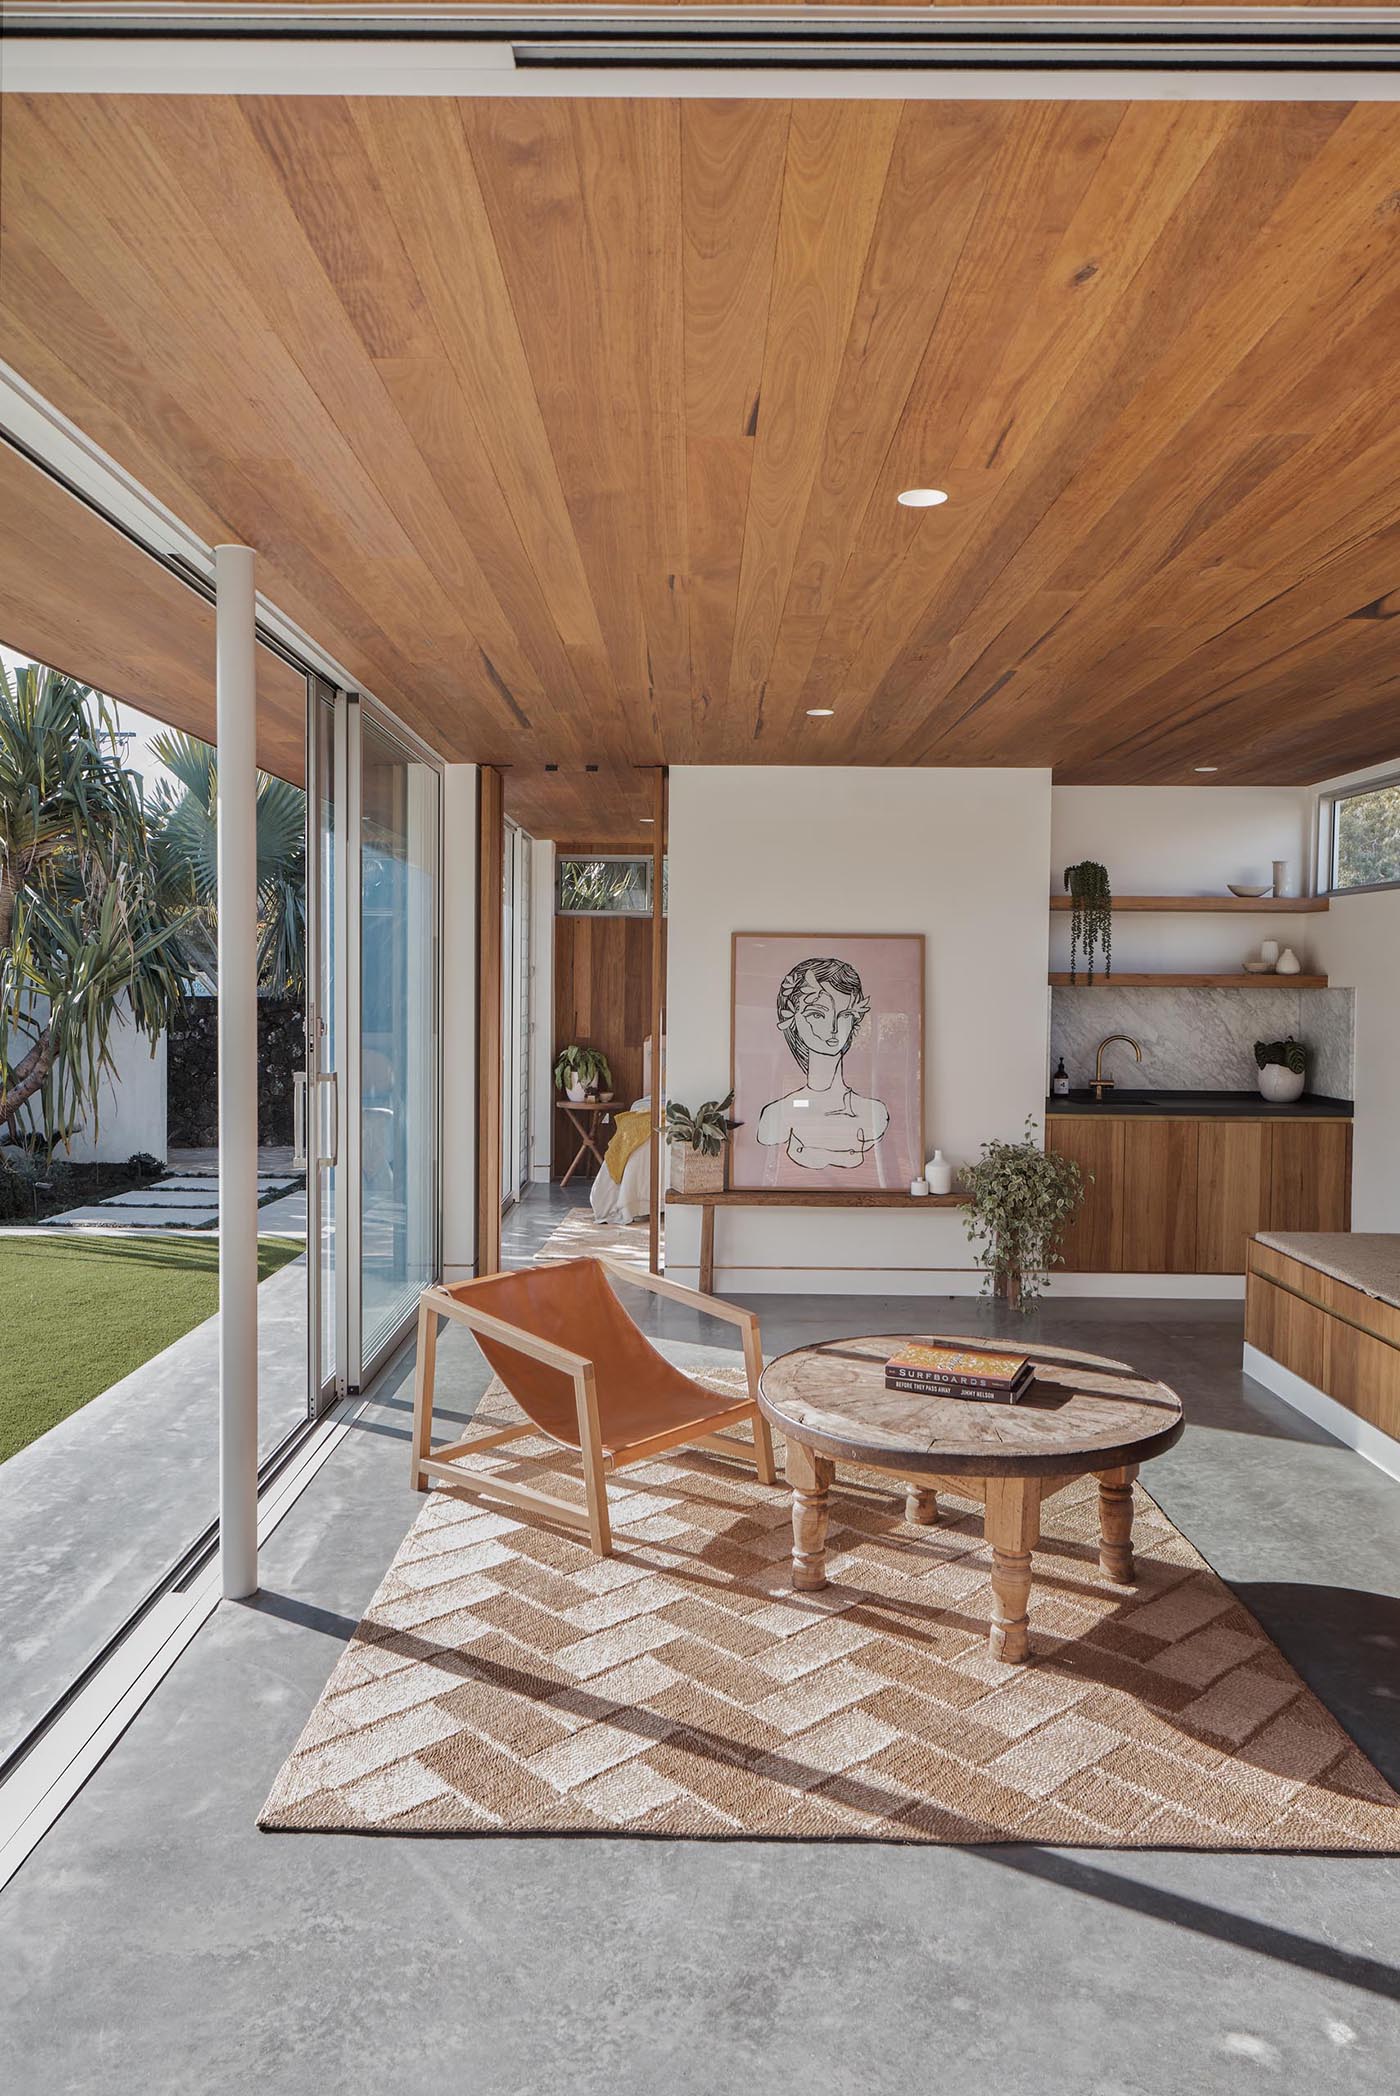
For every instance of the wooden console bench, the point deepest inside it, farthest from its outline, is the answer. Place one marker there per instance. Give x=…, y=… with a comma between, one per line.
x=790, y=1197
x=1325, y=1306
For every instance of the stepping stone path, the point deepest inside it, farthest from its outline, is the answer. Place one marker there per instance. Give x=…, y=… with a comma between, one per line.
x=184, y=1201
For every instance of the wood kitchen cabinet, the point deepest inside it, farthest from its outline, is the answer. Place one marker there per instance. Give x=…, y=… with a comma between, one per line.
x=1091, y=1244
x=1159, y=1197
x=1173, y=1195
x=1232, y=1191
x=1310, y=1175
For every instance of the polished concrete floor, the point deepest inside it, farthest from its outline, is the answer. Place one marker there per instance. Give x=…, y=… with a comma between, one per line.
x=156, y=1942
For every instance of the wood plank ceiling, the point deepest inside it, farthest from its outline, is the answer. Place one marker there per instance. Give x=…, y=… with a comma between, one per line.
x=574, y=428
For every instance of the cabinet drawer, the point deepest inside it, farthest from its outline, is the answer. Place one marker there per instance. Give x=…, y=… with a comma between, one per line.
x=1289, y=1330
x=1363, y=1374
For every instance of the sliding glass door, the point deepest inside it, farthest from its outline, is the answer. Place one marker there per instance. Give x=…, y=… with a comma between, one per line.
x=398, y=1034
x=371, y=1118
x=515, y=1014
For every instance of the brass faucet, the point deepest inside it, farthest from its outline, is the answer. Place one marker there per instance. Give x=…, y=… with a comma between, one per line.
x=1104, y=1084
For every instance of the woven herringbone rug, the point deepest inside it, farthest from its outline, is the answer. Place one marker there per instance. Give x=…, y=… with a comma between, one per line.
x=504, y=1680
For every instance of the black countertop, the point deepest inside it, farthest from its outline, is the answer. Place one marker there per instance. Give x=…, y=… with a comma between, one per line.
x=1237, y=1106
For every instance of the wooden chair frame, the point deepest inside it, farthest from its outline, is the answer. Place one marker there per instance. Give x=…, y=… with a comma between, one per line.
x=436, y=1464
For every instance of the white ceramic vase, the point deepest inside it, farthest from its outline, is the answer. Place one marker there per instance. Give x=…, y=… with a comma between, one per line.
x=939, y=1174
x=1288, y=963
x=1280, y=1085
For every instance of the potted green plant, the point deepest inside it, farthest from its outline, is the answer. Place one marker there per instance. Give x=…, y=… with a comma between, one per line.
x=1091, y=918
x=1023, y=1199
x=1283, y=1069
x=697, y=1144
x=580, y=1071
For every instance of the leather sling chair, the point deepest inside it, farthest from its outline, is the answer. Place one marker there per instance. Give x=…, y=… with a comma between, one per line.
x=583, y=1375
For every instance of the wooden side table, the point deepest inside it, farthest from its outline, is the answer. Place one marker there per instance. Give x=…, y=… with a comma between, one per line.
x=584, y=1117
x=791, y=1197
x=1086, y=1416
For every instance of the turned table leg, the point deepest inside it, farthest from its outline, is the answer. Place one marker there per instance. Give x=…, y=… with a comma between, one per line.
x=810, y=1477
x=921, y=1506
x=1116, y=1524
x=1013, y=1530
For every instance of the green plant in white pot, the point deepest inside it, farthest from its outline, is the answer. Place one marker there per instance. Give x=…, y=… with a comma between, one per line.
x=697, y=1144
x=580, y=1071
x=1283, y=1069
x=1023, y=1200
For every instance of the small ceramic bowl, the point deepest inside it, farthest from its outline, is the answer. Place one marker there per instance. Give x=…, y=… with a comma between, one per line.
x=1249, y=894
x=1260, y=967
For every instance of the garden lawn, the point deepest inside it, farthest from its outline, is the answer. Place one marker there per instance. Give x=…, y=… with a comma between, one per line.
x=79, y=1313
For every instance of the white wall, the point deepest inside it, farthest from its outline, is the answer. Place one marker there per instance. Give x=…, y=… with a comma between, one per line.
x=1359, y=945
x=1184, y=840
x=959, y=855
x=541, y=1007
x=131, y=1103
x=459, y=882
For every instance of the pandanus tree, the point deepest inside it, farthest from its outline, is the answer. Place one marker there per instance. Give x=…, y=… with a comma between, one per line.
x=185, y=841
x=85, y=946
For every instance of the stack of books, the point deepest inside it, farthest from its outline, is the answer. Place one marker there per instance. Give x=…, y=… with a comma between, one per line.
x=951, y=1371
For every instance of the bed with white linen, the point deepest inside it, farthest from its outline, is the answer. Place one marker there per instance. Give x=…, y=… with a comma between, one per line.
x=629, y=1199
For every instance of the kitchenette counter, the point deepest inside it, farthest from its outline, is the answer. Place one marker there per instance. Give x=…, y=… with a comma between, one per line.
x=1198, y=1106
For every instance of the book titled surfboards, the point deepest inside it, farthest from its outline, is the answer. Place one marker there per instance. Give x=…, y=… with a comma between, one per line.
x=945, y=1371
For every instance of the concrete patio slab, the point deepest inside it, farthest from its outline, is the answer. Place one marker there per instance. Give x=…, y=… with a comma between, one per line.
x=98, y=1508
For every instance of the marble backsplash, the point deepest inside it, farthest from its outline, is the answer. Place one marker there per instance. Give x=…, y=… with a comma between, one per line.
x=1201, y=1040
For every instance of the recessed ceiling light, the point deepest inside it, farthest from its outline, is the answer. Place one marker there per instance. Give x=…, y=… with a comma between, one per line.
x=922, y=498
x=820, y=712
x=1207, y=767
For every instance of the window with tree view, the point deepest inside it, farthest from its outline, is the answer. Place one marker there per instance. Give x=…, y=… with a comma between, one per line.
x=1366, y=838
x=607, y=886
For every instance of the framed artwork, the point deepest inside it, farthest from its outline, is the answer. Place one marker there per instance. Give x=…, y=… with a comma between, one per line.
x=826, y=1057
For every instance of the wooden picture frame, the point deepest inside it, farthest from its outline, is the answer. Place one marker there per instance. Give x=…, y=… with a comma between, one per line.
x=875, y=1140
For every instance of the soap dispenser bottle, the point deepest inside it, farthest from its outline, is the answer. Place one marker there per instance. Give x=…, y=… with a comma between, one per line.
x=1059, y=1083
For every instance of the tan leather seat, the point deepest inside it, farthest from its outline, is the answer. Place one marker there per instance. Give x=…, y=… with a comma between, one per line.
x=583, y=1374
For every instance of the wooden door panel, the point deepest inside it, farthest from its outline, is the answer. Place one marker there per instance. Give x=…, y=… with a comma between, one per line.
x=1310, y=1175
x=1091, y=1244
x=602, y=999
x=1232, y=1192
x=1159, y=1197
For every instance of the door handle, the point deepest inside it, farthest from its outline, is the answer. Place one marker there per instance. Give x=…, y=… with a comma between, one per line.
x=331, y=1154
x=299, y=1119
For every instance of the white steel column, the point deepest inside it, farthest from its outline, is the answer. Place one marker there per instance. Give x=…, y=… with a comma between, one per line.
x=238, y=1074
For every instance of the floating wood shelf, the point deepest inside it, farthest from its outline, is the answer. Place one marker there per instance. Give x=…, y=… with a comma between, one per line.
x=1252, y=906
x=794, y=1197
x=1192, y=982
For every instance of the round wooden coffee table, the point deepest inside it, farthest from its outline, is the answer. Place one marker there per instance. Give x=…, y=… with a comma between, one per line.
x=1085, y=1416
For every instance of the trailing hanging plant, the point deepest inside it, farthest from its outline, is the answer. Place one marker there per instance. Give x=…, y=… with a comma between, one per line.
x=1289, y=1055
x=1023, y=1199
x=1091, y=920
x=704, y=1130
x=586, y=1066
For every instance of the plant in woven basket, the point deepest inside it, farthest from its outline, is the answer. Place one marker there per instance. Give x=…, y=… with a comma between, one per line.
x=1091, y=919
x=1289, y=1055
x=588, y=1067
x=1023, y=1199
x=705, y=1130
